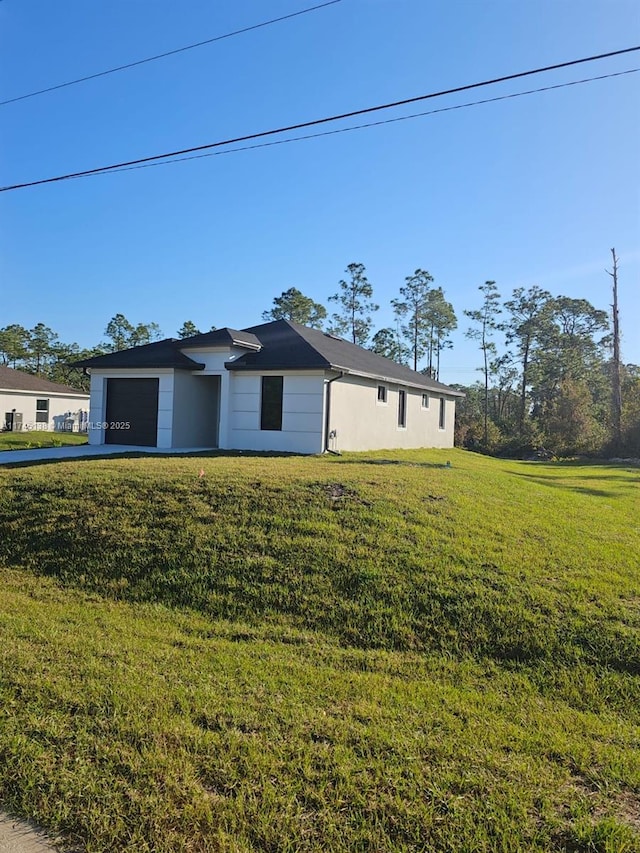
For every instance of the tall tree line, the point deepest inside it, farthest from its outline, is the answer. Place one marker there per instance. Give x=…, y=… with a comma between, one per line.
x=549, y=378
x=424, y=318
x=41, y=352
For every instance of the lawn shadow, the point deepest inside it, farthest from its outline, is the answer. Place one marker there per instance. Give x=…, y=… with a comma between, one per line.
x=613, y=476
x=579, y=463
x=402, y=462
x=132, y=454
x=555, y=483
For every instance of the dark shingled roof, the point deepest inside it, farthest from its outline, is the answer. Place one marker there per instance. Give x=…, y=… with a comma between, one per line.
x=156, y=355
x=289, y=346
x=17, y=380
x=221, y=337
x=280, y=345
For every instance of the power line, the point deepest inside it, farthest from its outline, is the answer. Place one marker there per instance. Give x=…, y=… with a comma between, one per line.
x=369, y=124
x=313, y=123
x=168, y=53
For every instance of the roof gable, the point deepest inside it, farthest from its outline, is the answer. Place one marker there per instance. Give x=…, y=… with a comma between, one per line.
x=222, y=337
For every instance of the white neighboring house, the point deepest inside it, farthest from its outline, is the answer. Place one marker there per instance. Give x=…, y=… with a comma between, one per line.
x=30, y=403
x=274, y=387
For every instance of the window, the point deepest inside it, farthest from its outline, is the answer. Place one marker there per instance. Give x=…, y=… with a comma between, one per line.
x=42, y=411
x=382, y=393
x=442, y=413
x=271, y=403
x=425, y=401
x=402, y=408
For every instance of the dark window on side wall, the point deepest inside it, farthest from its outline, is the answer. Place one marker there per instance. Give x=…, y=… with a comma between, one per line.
x=42, y=411
x=402, y=408
x=425, y=401
x=442, y=412
x=382, y=393
x=271, y=403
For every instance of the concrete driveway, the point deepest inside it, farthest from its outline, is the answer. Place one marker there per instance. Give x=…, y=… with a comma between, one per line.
x=18, y=836
x=81, y=451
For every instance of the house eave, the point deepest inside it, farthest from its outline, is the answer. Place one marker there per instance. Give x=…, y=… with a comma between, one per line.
x=221, y=347
x=392, y=380
x=270, y=368
x=41, y=391
x=194, y=366
x=246, y=345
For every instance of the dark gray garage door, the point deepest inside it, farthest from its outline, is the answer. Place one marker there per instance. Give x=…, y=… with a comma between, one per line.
x=132, y=402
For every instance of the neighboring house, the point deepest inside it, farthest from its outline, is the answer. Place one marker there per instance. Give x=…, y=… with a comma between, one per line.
x=28, y=403
x=278, y=386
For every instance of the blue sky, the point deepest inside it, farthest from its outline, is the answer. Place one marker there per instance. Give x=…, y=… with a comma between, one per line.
x=534, y=190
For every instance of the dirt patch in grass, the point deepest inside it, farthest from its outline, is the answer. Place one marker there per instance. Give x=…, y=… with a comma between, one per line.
x=338, y=492
x=627, y=806
x=596, y=819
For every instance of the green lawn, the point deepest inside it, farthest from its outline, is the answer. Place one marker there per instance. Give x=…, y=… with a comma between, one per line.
x=27, y=439
x=375, y=652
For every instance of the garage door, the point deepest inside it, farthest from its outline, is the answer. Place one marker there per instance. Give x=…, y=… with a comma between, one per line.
x=132, y=402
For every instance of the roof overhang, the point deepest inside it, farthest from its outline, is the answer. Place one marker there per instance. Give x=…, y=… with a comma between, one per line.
x=246, y=345
x=146, y=366
x=44, y=391
x=392, y=380
x=222, y=339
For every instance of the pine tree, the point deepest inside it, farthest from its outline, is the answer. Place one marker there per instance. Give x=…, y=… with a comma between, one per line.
x=356, y=303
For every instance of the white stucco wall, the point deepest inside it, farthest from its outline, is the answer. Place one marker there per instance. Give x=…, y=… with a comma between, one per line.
x=302, y=413
x=24, y=402
x=98, y=410
x=363, y=423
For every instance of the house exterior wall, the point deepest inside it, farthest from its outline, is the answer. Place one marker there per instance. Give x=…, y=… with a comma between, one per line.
x=195, y=409
x=302, y=413
x=362, y=422
x=98, y=409
x=24, y=402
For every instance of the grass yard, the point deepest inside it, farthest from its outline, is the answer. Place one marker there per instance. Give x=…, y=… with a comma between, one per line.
x=375, y=652
x=27, y=439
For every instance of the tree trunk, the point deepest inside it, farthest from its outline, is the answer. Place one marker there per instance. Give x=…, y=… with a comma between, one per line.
x=353, y=321
x=523, y=390
x=616, y=397
x=486, y=385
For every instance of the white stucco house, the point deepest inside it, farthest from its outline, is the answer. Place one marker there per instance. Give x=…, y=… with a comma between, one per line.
x=278, y=386
x=28, y=402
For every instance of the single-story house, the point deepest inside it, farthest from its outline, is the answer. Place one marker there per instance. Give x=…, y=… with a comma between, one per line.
x=278, y=386
x=28, y=402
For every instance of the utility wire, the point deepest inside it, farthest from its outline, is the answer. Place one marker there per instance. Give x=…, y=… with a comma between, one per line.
x=369, y=124
x=168, y=53
x=315, y=122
